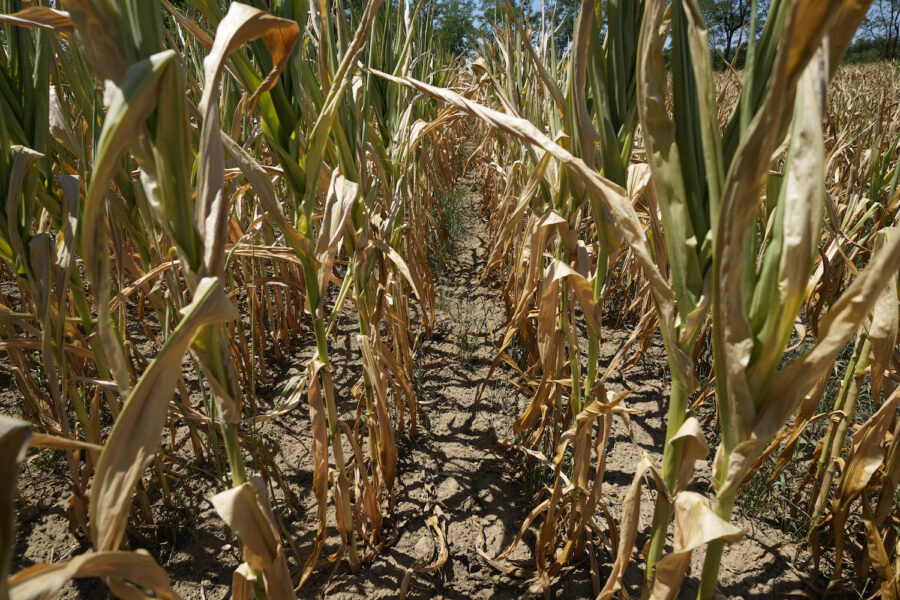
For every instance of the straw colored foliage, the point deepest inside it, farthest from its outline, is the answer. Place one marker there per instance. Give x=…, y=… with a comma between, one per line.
x=197, y=191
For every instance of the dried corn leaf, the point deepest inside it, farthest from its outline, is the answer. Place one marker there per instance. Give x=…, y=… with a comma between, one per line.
x=867, y=454
x=371, y=502
x=613, y=196
x=437, y=524
x=243, y=583
x=734, y=337
x=22, y=160
x=128, y=573
x=128, y=106
x=52, y=442
x=132, y=443
x=40, y=17
x=628, y=525
x=14, y=437
x=247, y=512
x=59, y=125
x=696, y=525
x=320, y=463
x=411, y=276
x=341, y=196
x=242, y=24
x=387, y=447
x=694, y=448
x=257, y=176
x=798, y=221
x=550, y=338
x=791, y=384
x=885, y=321
x=665, y=161
x=584, y=291
x=878, y=554
x=195, y=30
x=843, y=28
x=95, y=30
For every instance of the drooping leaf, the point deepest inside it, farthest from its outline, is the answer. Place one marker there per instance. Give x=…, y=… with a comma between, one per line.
x=135, y=436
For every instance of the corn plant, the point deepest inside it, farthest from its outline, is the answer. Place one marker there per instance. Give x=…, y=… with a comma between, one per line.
x=148, y=120
x=225, y=182
x=749, y=336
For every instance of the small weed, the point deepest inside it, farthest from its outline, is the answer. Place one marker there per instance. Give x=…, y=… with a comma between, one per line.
x=468, y=323
x=47, y=461
x=443, y=299
x=775, y=502
x=535, y=477
x=465, y=346
x=506, y=410
x=443, y=241
x=518, y=352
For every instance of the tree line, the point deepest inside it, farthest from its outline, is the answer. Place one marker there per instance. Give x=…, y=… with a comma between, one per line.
x=459, y=25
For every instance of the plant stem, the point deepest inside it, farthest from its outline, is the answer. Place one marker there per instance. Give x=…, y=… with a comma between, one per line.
x=313, y=295
x=671, y=460
x=837, y=433
x=211, y=337
x=713, y=560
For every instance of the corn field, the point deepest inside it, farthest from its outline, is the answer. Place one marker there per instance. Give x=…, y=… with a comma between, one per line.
x=294, y=302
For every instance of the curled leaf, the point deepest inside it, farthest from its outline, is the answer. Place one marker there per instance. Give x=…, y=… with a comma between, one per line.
x=13, y=442
x=242, y=24
x=696, y=525
x=132, y=443
x=694, y=448
x=338, y=203
x=128, y=573
x=247, y=512
x=40, y=17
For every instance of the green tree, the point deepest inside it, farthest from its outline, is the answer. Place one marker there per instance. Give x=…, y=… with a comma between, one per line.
x=726, y=20
x=561, y=16
x=454, y=25
x=883, y=23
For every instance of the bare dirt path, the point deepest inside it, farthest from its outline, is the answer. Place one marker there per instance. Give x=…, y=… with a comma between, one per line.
x=457, y=465
x=452, y=465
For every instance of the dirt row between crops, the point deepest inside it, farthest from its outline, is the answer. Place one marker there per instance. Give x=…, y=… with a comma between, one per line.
x=458, y=465
x=454, y=469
